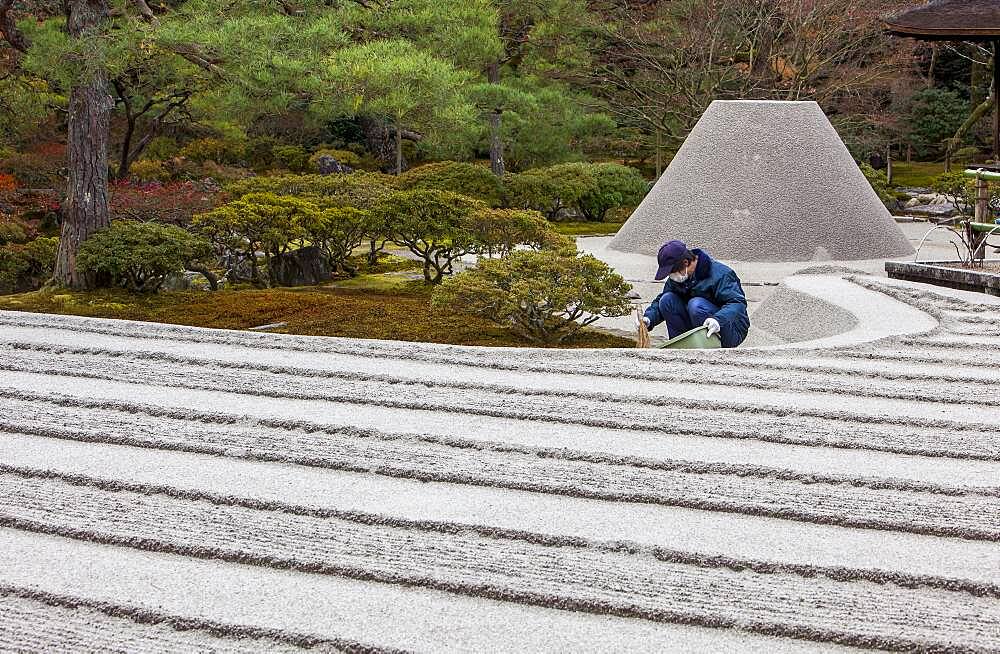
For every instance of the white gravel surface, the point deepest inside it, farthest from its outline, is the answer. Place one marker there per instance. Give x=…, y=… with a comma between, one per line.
x=177, y=489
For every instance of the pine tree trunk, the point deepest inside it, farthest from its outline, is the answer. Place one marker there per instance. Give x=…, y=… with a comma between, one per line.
x=90, y=105
x=496, y=140
x=399, y=149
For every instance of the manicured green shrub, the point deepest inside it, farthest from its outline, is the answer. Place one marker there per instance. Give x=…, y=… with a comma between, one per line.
x=616, y=186
x=26, y=266
x=139, y=256
x=457, y=177
x=591, y=190
x=571, y=182
x=148, y=170
x=434, y=225
x=532, y=190
x=258, y=222
x=343, y=157
x=362, y=190
x=498, y=231
x=337, y=231
x=546, y=296
x=291, y=157
x=212, y=149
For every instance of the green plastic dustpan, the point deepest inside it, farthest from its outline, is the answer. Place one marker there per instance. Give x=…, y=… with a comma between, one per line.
x=696, y=339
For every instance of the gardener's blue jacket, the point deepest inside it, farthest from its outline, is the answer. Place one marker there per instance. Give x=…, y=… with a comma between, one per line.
x=717, y=283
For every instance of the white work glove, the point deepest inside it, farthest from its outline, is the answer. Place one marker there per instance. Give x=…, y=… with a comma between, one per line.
x=713, y=326
x=639, y=321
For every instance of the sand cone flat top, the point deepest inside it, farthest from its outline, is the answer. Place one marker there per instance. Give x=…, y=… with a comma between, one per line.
x=765, y=181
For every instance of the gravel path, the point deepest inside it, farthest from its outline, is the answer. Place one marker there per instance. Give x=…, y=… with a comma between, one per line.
x=165, y=488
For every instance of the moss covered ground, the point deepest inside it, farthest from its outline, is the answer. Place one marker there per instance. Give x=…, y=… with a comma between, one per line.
x=587, y=228
x=917, y=173
x=371, y=306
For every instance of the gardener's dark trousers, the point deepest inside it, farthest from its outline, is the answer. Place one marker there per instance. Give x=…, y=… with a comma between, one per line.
x=683, y=315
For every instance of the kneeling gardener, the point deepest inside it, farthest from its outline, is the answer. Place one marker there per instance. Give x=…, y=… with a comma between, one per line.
x=698, y=291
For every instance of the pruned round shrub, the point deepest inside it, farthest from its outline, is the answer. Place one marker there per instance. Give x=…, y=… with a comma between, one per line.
x=291, y=157
x=616, y=186
x=499, y=231
x=458, y=177
x=263, y=223
x=139, y=256
x=336, y=231
x=533, y=190
x=213, y=149
x=149, y=170
x=545, y=296
x=591, y=190
x=362, y=190
x=27, y=266
x=569, y=184
x=343, y=157
x=434, y=225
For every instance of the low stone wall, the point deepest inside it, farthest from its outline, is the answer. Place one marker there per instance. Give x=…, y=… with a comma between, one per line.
x=942, y=274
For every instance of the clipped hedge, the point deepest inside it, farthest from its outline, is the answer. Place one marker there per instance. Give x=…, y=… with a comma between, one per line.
x=362, y=190
x=591, y=190
x=456, y=177
x=545, y=296
x=27, y=266
x=139, y=256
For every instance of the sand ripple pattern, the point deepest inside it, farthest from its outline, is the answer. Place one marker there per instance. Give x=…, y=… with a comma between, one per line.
x=256, y=455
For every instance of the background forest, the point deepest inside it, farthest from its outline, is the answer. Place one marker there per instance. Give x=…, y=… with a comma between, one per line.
x=170, y=112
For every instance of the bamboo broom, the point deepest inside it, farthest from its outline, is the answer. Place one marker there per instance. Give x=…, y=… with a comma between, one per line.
x=642, y=341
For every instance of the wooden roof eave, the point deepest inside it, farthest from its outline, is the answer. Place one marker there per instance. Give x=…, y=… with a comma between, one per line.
x=944, y=34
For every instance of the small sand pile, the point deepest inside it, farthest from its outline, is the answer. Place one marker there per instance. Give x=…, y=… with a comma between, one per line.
x=830, y=269
x=765, y=181
x=794, y=316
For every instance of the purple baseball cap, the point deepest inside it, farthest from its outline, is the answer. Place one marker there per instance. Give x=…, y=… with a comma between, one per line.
x=670, y=255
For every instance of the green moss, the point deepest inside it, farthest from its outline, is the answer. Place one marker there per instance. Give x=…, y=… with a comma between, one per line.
x=587, y=228
x=355, y=313
x=382, y=282
x=917, y=173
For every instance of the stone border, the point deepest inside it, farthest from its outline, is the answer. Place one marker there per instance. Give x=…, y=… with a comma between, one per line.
x=938, y=273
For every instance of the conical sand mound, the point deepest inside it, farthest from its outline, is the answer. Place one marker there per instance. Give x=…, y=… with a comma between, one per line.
x=765, y=181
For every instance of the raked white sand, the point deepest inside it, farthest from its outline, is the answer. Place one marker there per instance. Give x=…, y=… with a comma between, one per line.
x=178, y=488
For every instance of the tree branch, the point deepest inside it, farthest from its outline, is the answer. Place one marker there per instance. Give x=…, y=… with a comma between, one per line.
x=192, y=53
x=8, y=29
x=144, y=11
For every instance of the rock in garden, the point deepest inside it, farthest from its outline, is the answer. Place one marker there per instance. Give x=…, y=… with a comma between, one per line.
x=305, y=266
x=328, y=165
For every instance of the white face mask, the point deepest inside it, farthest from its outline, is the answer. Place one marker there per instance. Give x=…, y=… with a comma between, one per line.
x=677, y=277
